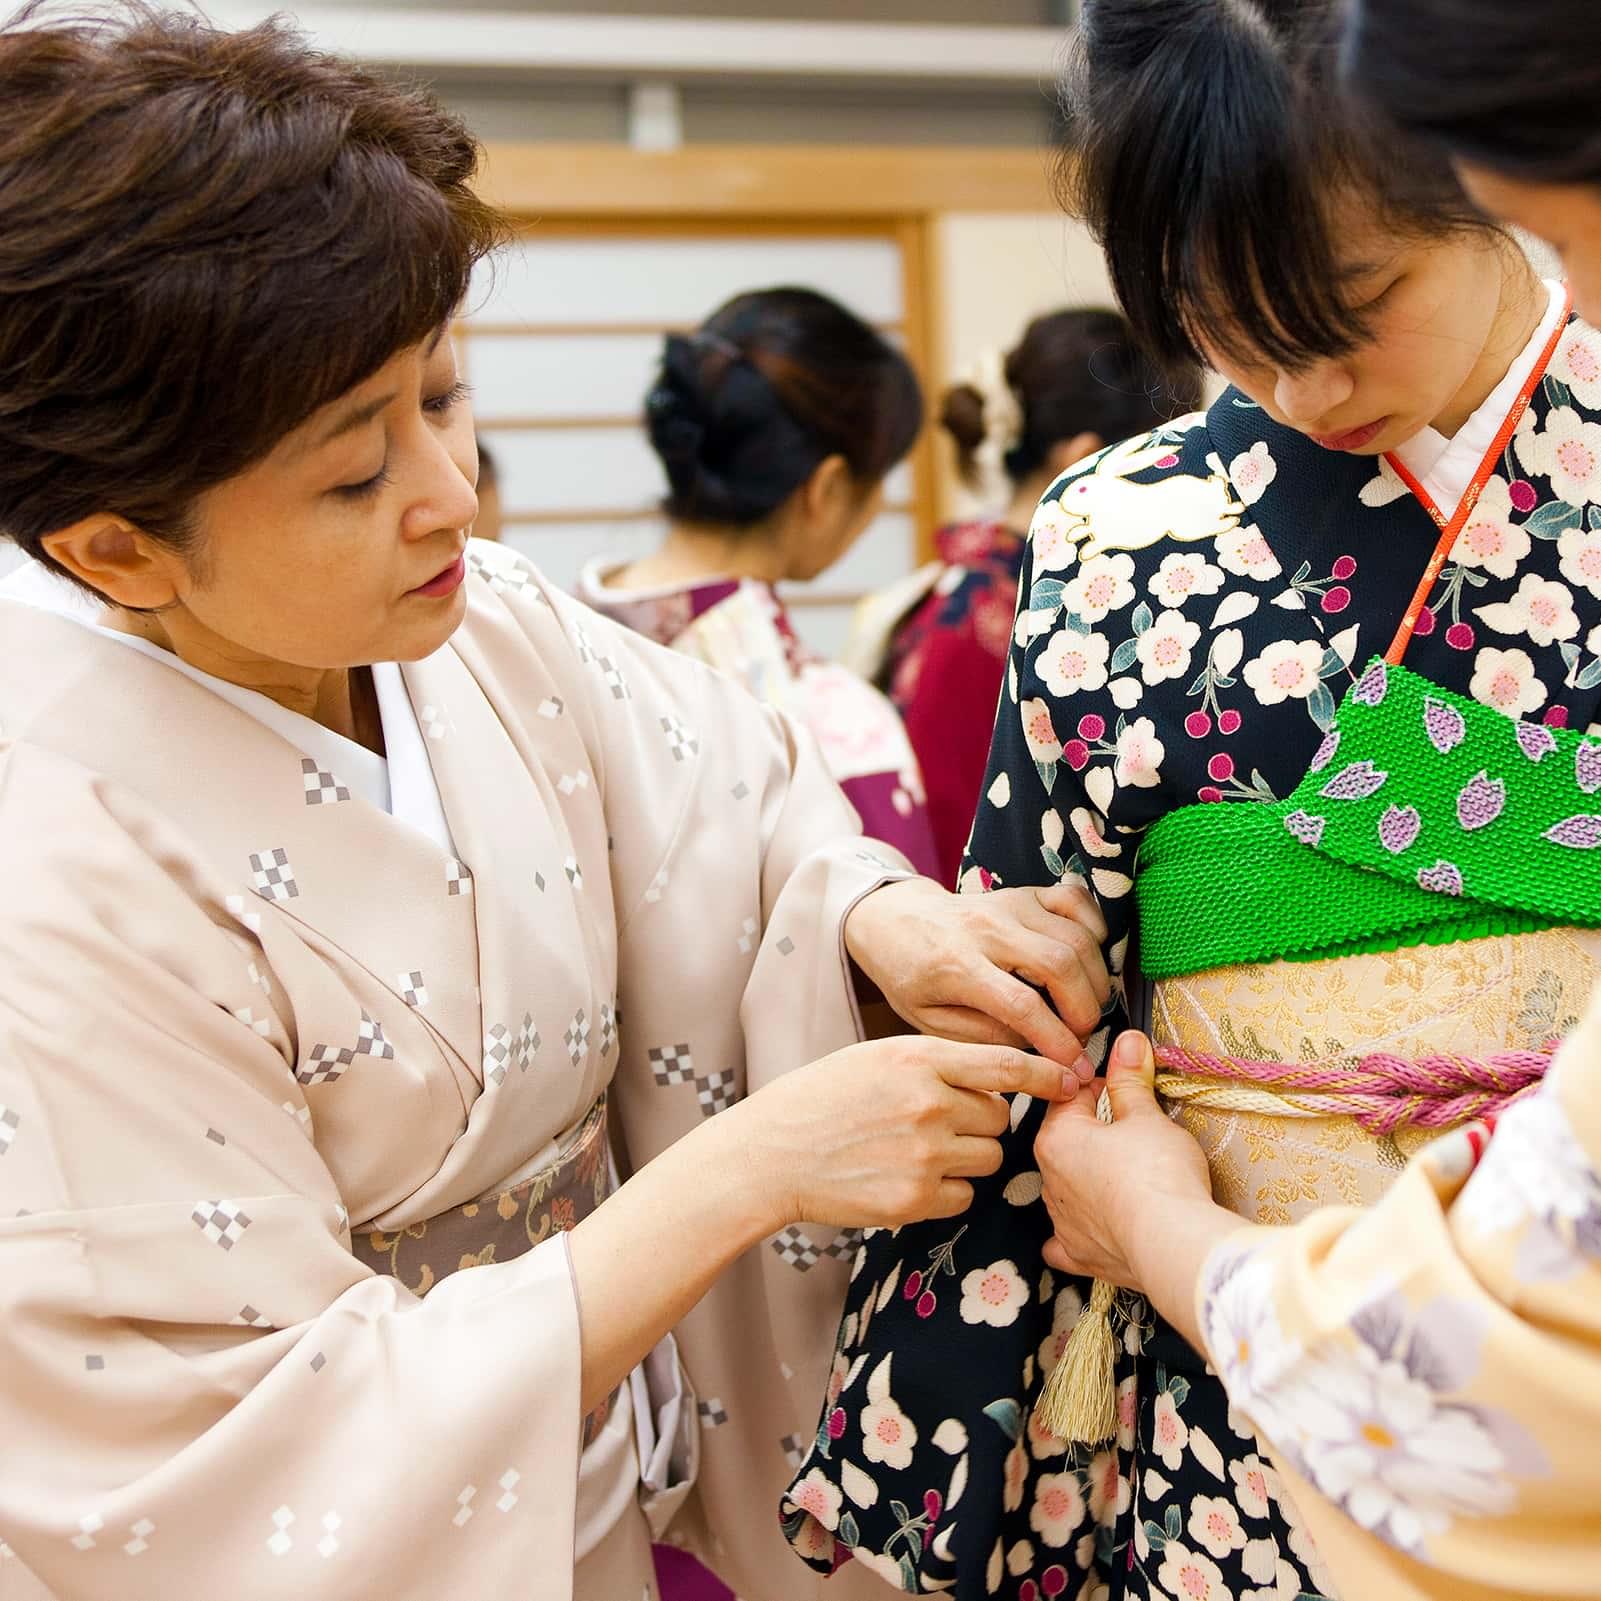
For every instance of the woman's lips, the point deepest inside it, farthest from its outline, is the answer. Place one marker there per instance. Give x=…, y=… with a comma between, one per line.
x=1353, y=439
x=446, y=582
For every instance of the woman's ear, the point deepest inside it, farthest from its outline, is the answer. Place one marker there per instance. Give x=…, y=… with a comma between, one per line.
x=117, y=561
x=830, y=490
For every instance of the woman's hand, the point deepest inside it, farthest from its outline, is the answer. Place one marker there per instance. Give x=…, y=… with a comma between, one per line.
x=955, y=965
x=1131, y=1200
x=888, y=1132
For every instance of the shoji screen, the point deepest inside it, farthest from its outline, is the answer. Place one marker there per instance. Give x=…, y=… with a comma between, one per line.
x=560, y=342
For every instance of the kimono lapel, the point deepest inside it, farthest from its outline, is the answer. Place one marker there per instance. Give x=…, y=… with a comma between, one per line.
x=281, y=836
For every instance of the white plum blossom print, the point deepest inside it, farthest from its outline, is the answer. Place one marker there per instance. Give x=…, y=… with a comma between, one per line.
x=1051, y=538
x=1014, y=1475
x=1505, y=680
x=1256, y=1485
x=1169, y=1432
x=1110, y=1492
x=1189, y=1576
x=1104, y=584
x=1386, y=486
x=1182, y=576
x=1038, y=732
x=1536, y=1177
x=1542, y=608
x=1139, y=756
x=994, y=1295
x=1489, y=538
x=1091, y=833
x=818, y=1498
x=1164, y=648
x=1074, y=662
x=888, y=1435
x=1058, y=1508
x=1580, y=550
x=1215, y=1524
x=1245, y=553
x=1568, y=452
x=1252, y=471
x=1577, y=363
x=1286, y=670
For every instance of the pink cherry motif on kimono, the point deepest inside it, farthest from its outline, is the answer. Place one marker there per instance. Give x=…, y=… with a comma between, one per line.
x=1443, y=724
x=926, y=1303
x=1535, y=740
x=1356, y=781
x=1229, y=722
x=1306, y=828
x=1443, y=878
x=836, y=1423
x=1587, y=767
x=1581, y=833
x=914, y=1282
x=933, y=1505
x=1399, y=827
x=1053, y=1581
x=1482, y=800
x=1372, y=686
x=1325, y=751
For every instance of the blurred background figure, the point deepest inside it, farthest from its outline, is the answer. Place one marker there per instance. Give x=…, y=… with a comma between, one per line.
x=1076, y=382
x=776, y=423
x=487, y=523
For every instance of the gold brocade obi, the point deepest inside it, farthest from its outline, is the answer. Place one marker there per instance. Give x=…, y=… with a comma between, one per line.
x=1516, y=991
x=503, y=1225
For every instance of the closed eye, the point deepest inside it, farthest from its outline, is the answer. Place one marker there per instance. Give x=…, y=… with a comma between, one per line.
x=443, y=405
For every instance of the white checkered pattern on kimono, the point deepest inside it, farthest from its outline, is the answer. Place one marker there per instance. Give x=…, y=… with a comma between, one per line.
x=247, y=1317
x=671, y=1064
x=141, y=1532
x=794, y=1248
x=326, y=1062
x=322, y=788
x=526, y=1043
x=280, y=1541
x=681, y=738
x=10, y=1121
x=412, y=989
x=458, y=877
x=615, y=681
x=502, y=571
x=502, y=1048
x=608, y=1029
x=795, y=1448
x=716, y=1092
x=575, y=874
x=272, y=876
x=222, y=1222
x=713, y=1414
x=88, y=1527
x=577, y=1038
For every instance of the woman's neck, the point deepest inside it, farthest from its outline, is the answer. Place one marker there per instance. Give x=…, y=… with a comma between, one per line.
x=692, y=552
x=339, y=698
x=1029, y=493
x=1518, y=313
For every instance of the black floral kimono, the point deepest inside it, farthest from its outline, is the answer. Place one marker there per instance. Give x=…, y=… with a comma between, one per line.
x=1193, y=607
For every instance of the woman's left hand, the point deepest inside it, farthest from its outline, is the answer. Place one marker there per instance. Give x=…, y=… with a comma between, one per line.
x=1131, y=1200
x=955, y=965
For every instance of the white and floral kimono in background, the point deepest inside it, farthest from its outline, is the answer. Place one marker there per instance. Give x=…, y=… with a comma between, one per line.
x=257, y=1029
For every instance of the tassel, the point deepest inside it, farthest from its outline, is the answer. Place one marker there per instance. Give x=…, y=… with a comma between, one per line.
x=1079, y=1400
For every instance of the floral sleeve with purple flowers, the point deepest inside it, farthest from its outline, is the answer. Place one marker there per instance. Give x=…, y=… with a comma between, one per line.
x=1193, y=606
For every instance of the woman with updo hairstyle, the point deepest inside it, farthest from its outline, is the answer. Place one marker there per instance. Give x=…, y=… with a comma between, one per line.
x=433, y=1114
x=1076, y=382
x=776, y=423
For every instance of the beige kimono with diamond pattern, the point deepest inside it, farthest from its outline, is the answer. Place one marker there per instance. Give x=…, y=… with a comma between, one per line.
x=244, y=1013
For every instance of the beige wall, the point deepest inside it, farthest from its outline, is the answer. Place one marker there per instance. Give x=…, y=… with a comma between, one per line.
x=995, y=271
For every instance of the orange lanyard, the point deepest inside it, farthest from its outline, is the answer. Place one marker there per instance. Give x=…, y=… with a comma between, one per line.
x=1486, y=469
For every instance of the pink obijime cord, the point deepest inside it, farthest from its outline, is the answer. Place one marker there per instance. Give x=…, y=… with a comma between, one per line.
x=1381, y=1092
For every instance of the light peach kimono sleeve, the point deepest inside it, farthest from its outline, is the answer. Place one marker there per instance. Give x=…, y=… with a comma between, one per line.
x=201, y=1390
x=1427, y=1373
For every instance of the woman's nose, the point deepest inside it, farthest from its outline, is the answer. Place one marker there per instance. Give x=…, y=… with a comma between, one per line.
x=1312, y=394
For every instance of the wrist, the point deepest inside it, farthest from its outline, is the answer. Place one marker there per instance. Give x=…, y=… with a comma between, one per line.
x=1168, y=1243
x=757, y=1177
x=866, y=920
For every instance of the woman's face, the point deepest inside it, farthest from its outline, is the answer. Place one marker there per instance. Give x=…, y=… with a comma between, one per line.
x=1431, y=307
x=342, y=547
x=1566, y=215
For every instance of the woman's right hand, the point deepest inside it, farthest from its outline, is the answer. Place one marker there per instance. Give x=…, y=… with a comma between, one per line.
x=890, y=1131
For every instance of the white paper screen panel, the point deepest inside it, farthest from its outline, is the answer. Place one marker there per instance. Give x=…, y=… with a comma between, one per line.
x=542, y=376
x=678, y=281
x=10, y=556
x=576, y=469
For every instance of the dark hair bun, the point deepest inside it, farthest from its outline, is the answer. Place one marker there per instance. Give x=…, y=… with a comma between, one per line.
x=744, y=410
x=962, y=417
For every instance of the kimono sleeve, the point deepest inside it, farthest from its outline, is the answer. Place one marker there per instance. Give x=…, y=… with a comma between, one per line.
x=204, y=1393
x=1427, y=1373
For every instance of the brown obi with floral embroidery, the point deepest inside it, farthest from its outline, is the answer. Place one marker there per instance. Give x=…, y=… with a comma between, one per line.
x=501, y=1226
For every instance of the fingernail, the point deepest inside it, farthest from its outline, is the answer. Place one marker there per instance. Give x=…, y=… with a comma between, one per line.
x=1069, y=1084
x=1129, y=1050
x=1084, y=1070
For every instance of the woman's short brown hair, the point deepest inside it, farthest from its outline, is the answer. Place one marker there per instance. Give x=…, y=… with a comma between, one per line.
x=204, y=237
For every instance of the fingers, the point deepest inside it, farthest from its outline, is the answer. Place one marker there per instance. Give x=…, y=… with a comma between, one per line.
x=1056, y=1257
x=973, y=1158
x=1000, y=1070
x=1075, y=903
x=1131, y=1078
x=986, y=1116
x=952, y=1198
x=1015, y=1006
x=1076, y=978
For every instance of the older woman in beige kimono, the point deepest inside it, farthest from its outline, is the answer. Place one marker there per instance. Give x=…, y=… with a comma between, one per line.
x=371, y=910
